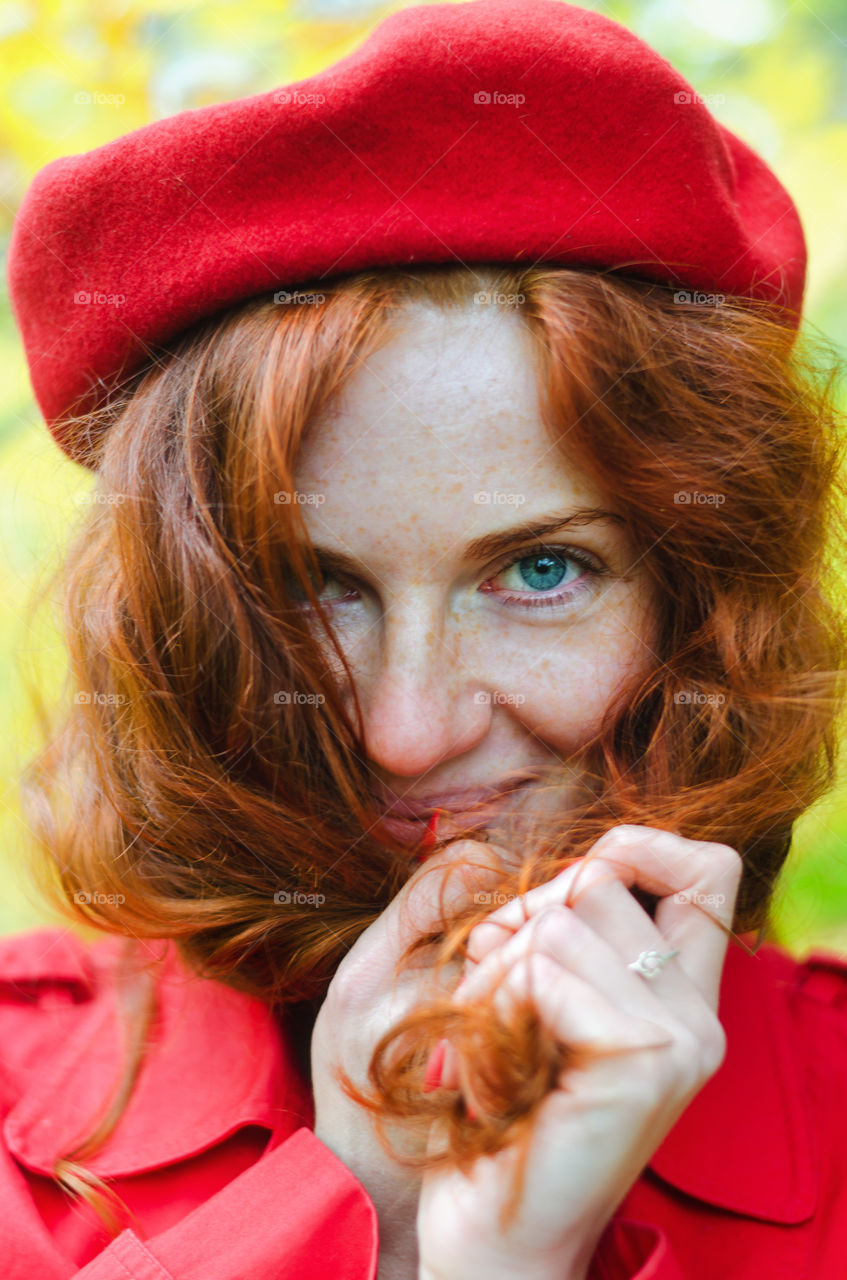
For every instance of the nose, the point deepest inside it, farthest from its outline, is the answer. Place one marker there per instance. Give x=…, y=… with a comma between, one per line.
x=417, y=698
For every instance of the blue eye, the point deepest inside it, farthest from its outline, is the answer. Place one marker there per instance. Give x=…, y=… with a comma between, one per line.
x=538, y=572
x=542, y=569
x=542, y=572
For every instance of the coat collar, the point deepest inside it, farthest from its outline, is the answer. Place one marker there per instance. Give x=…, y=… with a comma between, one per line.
x=220, y=1060
x=217, y=1062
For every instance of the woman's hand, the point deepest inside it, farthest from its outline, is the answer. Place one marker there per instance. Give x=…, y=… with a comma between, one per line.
x=363, y=1000
x=595, y=1132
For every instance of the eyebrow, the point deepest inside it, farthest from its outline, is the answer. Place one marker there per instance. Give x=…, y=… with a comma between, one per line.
x=493, y=544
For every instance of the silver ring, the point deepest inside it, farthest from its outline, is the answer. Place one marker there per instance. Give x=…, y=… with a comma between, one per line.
x=649, y=963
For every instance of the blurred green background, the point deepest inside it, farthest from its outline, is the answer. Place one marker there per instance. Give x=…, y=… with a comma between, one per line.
x=776, y=74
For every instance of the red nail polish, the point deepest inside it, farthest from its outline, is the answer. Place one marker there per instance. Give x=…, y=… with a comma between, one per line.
x=429, y=837
x=434, y=1068
x=471, y=1113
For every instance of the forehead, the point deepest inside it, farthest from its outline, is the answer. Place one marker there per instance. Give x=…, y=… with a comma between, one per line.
x=451, y=399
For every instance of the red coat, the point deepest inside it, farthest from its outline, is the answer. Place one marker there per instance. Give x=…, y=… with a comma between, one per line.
x=216, y=1157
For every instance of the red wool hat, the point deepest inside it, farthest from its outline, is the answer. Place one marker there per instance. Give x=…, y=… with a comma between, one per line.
x=483, y=131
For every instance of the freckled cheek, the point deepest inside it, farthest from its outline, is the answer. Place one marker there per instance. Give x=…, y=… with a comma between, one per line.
x=561, y=687
x=561, y=701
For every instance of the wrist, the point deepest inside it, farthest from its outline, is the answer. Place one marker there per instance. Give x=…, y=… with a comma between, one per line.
x=393, y=1193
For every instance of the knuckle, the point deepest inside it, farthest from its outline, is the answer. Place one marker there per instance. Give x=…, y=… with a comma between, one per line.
x=623, y=833
x=685, y=1069
x=473, y=864
x=713, y=1047
x=464, y=848
x=356, y=984
x=724, y=858
x=529, y=970
x=550, y=924
x=490, y=932
x=699, y=1054
x=721, y=859
x=342, y=991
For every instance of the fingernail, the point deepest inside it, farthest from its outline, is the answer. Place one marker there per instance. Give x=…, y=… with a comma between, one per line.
x=429, y=836
x=434, y=1067
x=470, y=1112
x=450, y=1069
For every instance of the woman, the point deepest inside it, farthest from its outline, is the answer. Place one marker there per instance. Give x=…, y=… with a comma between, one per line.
x=452, y=650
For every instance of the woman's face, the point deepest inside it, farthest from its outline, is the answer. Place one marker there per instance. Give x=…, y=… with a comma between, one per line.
x=470, y=661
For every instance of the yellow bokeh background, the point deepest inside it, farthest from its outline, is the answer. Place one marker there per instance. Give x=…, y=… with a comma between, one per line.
x=77, y=74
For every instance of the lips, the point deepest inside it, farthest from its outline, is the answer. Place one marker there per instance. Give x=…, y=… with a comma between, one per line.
x=405, y=830
x=423, y=807
x=408, y=822
x=409, y=831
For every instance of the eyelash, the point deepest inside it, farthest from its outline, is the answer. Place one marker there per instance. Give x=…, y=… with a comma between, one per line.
x=593, y=570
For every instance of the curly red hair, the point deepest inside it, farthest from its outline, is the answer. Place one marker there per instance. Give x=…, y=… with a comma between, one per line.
x=178, y=784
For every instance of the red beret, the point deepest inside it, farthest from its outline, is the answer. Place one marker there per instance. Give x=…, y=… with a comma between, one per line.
x=490, y=130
